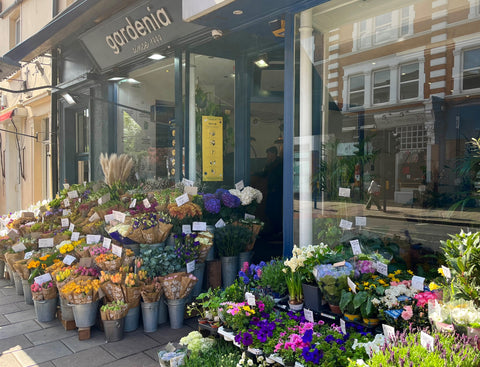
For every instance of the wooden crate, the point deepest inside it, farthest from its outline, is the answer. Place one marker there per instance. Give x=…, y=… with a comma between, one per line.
x=67, y=325
x=83, y=333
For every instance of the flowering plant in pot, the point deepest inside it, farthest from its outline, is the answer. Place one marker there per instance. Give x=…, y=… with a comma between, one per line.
x=187, y=247
x=231, y=240
x=332, y=279
x=272, y=280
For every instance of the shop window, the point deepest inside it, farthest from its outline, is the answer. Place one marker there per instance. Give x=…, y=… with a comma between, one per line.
x=412, y=137
x=381, y=86
x=471, y=69
x=357, y=91
x=409, y=81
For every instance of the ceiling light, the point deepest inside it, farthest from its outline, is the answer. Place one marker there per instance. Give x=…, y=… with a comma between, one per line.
x=116, y=78
x=262, y=61
x=130, y=81
x=156, y=57
x=238, y=12
x=68, y=98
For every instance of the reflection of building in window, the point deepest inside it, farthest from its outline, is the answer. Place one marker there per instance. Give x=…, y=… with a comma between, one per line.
x=381, y=86
x=409, y=81
x=412, y=137
x=471, y=69
x=357, y=90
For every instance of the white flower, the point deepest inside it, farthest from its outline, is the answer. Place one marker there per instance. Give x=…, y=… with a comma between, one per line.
x=250, y=362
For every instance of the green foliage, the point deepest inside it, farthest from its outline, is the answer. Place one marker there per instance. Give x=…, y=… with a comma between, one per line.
x=231, y=240
x=223, y=354
x=273, y=277
x=161, y=260
x=327, y=230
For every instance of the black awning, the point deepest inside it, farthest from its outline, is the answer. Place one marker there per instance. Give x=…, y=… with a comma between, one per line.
x=7, y=67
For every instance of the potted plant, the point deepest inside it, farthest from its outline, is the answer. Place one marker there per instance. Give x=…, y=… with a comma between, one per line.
x=350, y=304
x=273, y=280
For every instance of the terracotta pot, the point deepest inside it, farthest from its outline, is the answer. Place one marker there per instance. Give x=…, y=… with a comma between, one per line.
x=354, y=317
x=371, y=321
x=335, y=309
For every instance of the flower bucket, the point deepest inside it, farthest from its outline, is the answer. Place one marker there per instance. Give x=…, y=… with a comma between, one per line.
x=150, y=316
x=67, y=310
x=27, y=292
x=176, y=311
x=45, y=310
x=371, y=322
x=10, y=275
x=244, y=257
x=135, y=247
x=229, y=270
x=113, y=329
x=2, y=269
x=198, y=272
x=85, y=314
x=132, y=319
x=18, y=283
x=350, y=317
x=312, y=296
x=295, y=306
x=162, y=311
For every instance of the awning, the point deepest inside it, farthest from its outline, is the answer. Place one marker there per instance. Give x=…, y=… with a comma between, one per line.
x=7, y=67
x=12, y=112
x=6, y=115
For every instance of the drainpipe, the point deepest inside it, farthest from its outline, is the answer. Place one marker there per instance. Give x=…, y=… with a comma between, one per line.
x=54, y=8
x=54, y=125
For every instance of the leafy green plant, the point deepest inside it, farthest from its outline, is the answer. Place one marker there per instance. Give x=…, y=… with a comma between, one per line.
x=161, y=260
x=231, y=240
x=273, y=277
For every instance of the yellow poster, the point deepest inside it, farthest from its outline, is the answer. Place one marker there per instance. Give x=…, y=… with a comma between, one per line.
x=212, y=148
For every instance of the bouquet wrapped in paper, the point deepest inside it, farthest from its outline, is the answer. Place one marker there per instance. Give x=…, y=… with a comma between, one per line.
x=11, y=258
x=81, y=290
x=128, y=257
x=111, y=285
x=178, y=285
x=114, y=310
x=21, y=267
x=152, y=291
x=132, y=287
x=43, y=292
x=108, y=262
x=206, y=243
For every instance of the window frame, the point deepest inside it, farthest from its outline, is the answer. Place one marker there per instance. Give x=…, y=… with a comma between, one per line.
x=400, y=83
x=389, y=70
x=350, y=107
x=462, y=87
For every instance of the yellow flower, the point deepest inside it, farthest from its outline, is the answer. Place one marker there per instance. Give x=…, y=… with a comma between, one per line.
x=391, y=275
x=433, y=286
x=410, y=272
x=440, y=271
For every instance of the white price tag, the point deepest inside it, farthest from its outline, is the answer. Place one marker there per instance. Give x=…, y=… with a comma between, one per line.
x=344, y=192
x=340, y=263
x=28, y=255
x=187, y=182
x=446, y=272
x=108, y=218
x=75, y=236
x=427, y=341
x=186, y=228
x=43, y=278
x=308, y=315
x=45, y=242
x=250, y=299
x=239, y=185
x=104, y=199
x=119, y=216
x=356, y=247
x=117, y=250
x=418, y=283
x=191, y=266
x=84, y=183
x=133, y=204
x=65, y=222
x=345, y=224
x=69, y=259
x=66, y=186
x=93, y=238
x=13, y=234
x=361, y=221
x=382, y=268
x=220, y=223
x=190, y=190
x=199, y=226
x=71, y=227
x=66, y=212
x=343, y=326
x=66, y=203
x=72, y=194
x=388, y=332
x=19, y=247
x=146, y=203
x=106, y=242
x=182, y=199
x=352, y=285
x=94, y=217
x=249, y=216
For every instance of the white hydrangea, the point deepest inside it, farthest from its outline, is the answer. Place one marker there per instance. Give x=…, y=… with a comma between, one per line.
x=247, y=195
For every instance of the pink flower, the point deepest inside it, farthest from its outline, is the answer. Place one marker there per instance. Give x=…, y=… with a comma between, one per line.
x=407, y=313
x=245, y=267
x=424, y=297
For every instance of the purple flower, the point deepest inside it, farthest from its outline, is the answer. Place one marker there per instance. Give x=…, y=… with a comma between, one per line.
x=211, y=203
x=230, y=201
x=307, y=337
x=329, y=338
x=220, y=192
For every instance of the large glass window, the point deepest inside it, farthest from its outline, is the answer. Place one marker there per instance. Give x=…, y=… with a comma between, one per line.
x=357, y=90
x=471, y=69
x=381, y=86
x=409, y=82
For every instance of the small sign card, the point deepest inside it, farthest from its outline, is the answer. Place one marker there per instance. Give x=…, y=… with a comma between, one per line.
x=249, y=216
x=75, y=236
x=66, y=212
x=71, y=227
x=191, y=266
x=382, y=268
x=190, y=190
x=344, y=192
x=69, y=259
x=133, y=203
x=146, y=203
x=13, y=234
x=388, y=331
x=308, y=315
x=117, y=250
x=43, y=278
x=94, y=217
x=352, y=285
x=106, y=242
x=28, y=255
x=66, y=203
x=220, y=223
x=427, y=341
x=250, y=299
x=66, y=186
x=72, y=194
x=356, y=247
x=239, y=185
x=86, y=262
x=361, y=221
x=45, y=242
x=65, y=222
x=119, y=216
x=345, y=224
x=418, y=283
x=343, y=326
x=199, y=226
x=446, y=272
x=104, y=199
x=187, y=183
x=340, y=263
x=186, y=228
x=182, y=199
x=108, y=218
x=19, y=247
x=93, y=238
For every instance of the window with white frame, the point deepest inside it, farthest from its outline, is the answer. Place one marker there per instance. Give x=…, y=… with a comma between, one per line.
x=356, y=92
x=18, y=35
x=471, y=69
x=409, y=81
x=412, y=137
x=381, y=86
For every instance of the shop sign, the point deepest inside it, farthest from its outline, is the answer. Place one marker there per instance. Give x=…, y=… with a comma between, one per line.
x=212, y=148
x=137, y=30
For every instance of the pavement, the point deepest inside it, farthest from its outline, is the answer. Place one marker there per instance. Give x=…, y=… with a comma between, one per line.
x=26, y=342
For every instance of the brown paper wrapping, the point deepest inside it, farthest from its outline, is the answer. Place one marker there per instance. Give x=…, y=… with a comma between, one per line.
x=132, y=295
x=37, y=296
x=113, y=291
x=163, y=230
x=12, y=258
x=136, y=235
x=21, y=268
x=109, y=315
x=49, y=293
x=150, y=293
x=150, y=235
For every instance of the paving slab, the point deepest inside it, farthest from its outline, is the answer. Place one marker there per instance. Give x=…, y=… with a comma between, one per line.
x=97, y=338
x=46, y=325
x=153, y=353
x=137, y=360
x=22, y=306
x=11, y=299
x=132, y=343
x=88, y=358
x=18, y=328
x=41, y=353
x=165, y=334
x=8, y=291
x=3, y=320
x=8, y=360
x=44, y=364
x=21, y=316
x=9, y=308
x=14, y=343
x=49, y=335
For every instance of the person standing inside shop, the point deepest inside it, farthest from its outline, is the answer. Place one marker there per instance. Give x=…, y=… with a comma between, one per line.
x=373, y=194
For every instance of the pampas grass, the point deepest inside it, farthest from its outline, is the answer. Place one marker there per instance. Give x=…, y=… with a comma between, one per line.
x=116, y=168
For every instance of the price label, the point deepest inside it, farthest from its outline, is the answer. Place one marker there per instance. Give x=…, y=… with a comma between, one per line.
x=190, y=190
x=137, y=176
x=66, y=186
x=239, y=185
x=352, y=285
x=418, y=283
x=249, y=216
x=85, y=262
x=356, y=247
x=344, y=192
x=308, y=315
x=345, y=224
x=446, y=272
x=191, y=266
x=66, y=212
x=340, y=263
x=94, y=217
x=28, y=255
x=45, y=242
x=361, y=221
x=220, y=223
x=343, y=326
x=199, y=226
x=19, y=247
x=43, y=278
x=66, y=203
x=104, y=199
x=106, y=242
x=93, y=238
x=69, y=259
x=65, y=222
x=72, y=194
x=84, y=183
x=250, y=299
x=427, y=341
x=388, y=332
x=182, y=199
x=382, y=268
x=186, y=228
x=71, y=227
x=119, y=216
x=361, y=362
x=75, y=236
x=108, y=218
x=117, y=250
x=187, y=182
x=13, y=234
x=133, y=204
x=146, y=203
